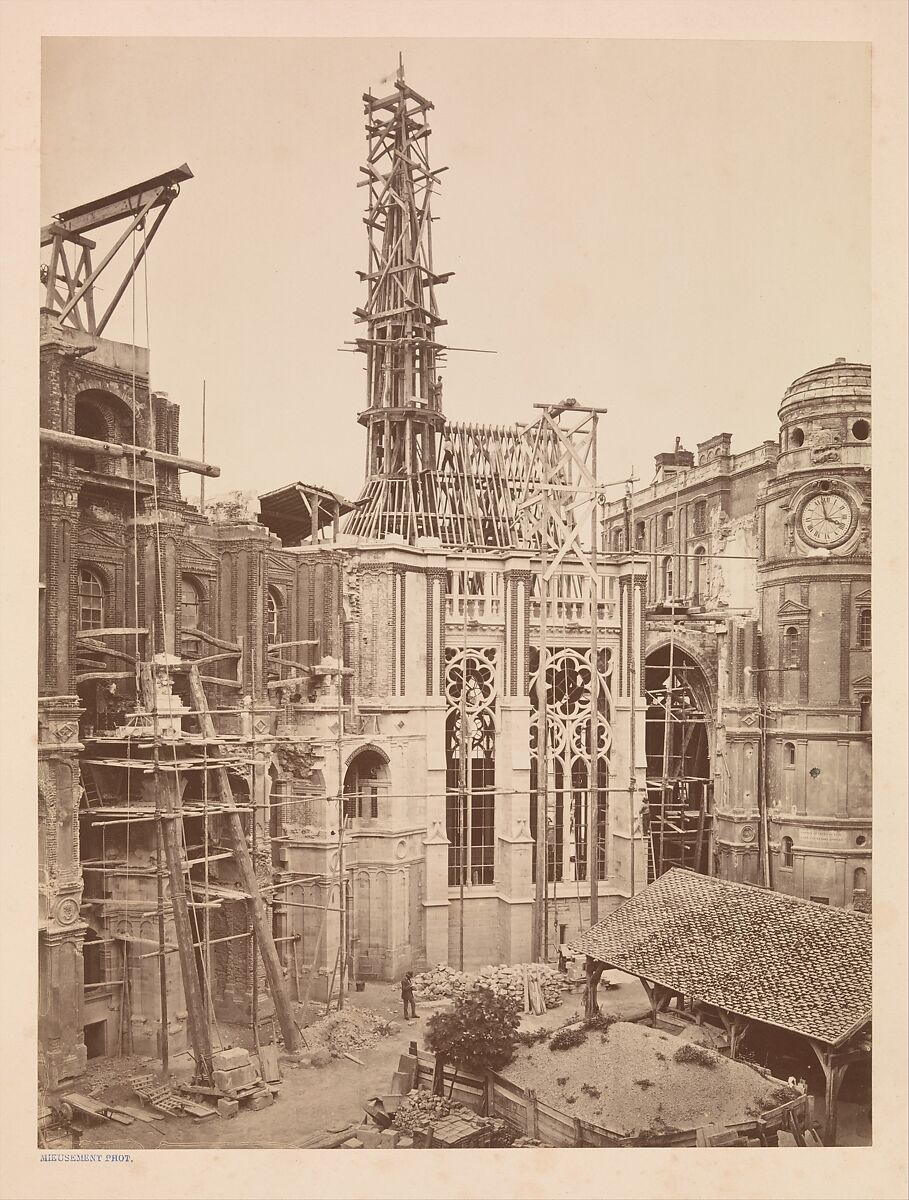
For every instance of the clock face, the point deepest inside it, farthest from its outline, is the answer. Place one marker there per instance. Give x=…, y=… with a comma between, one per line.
x=826, y=519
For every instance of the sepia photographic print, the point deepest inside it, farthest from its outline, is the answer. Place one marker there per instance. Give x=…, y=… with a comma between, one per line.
x=454, y=460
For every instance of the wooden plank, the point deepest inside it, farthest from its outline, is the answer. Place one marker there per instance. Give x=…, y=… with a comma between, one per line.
x=268, y=1062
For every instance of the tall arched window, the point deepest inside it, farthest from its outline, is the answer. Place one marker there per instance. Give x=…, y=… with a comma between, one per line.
x=89, y=423
x=668, y=526
x=274, y=617
x=190, y=604
x=700, y=574
x=791, y=644
x=667, y=581
x=788, y=754
x=640, y=535
x=91, y=600
x=865, y=714
x=786, y=852
x=699, y=517
x=864, y=629
x=859, y=879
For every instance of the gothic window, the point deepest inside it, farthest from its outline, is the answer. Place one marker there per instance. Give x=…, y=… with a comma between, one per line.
x=789, y=754
x=568, y=712
x=791, y=645
x=274, y=616
x=91, y=600
x=864, y=629
x=190, y=604
x=786, y=852
x=470, y=694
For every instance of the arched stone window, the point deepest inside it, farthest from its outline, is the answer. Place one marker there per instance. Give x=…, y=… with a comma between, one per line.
x=365, y=781
x=640, y=535
x=190, y=603
x=667, y=526
x=274, y=616
x=791, y=647
x=786, y=852
x=865, y=714
x=789, y=754
x=91, y=599
x=859, y=879
x=89, y=423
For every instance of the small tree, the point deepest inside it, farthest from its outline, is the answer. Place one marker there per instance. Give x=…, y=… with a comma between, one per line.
x=479, y=1031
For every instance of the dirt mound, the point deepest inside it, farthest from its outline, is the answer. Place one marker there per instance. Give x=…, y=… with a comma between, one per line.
x=349, y=1030
x=628, y=1080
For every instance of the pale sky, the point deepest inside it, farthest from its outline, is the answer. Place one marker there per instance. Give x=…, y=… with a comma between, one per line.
x=674, y=230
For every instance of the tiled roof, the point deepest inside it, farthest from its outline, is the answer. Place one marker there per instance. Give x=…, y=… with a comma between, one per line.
x=762, y=955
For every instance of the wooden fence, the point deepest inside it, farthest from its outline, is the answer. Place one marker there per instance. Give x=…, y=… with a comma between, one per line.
x=527, y=1115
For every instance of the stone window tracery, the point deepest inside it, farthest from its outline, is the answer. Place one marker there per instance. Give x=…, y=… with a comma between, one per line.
x=470, y=676
x=568, y=713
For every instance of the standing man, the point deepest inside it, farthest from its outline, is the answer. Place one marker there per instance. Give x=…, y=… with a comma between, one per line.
x=410, y=1009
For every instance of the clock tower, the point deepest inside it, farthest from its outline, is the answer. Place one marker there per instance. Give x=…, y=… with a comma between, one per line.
x=813, y=690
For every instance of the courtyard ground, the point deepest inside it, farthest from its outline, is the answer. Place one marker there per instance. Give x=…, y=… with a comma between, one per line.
x=314, y=1100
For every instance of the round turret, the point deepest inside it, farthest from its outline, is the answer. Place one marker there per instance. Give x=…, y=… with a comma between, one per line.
x=825, y=417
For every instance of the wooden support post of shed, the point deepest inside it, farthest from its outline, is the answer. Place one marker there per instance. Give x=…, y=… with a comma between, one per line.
x=658, y=996
x=736, y=1027
x=834, y=1066
x=594, y=971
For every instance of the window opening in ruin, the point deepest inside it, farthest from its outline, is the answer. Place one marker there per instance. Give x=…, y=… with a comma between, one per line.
x=568, y=722
x=190, y=604
x=699, y=517
x=677, y=817
x=864, y=629
x=667, y=580
x=786, y=852
x=470, y=811
x=91, y=600
x=365, y=780
x=274, y=617
x=700, y=575
x=89, y=423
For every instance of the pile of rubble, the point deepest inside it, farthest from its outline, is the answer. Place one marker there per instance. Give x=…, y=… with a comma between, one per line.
x=349, y=1030
x=445, y=982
